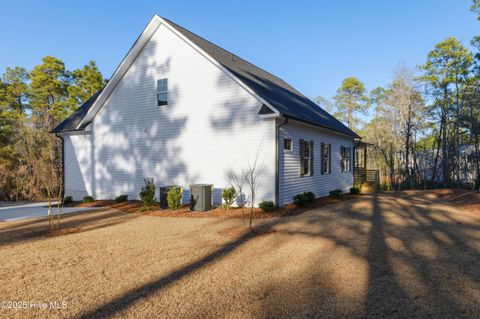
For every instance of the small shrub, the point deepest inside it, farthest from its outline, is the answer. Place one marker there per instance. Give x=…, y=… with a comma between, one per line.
x=88, y=199
x=309, y=197
x=336, y=193
x=121, y=198
x=67, y=200
x=228, y=196
x=354, y=190
x=174, y=198
x=302, y=200
x=267, y=206
x=147, y=195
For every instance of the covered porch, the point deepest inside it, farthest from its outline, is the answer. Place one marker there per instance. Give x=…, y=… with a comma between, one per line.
x=361, y=172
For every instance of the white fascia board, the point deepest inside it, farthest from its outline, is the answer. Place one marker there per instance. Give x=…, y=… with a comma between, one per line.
x=122, y=69
x=267, y=116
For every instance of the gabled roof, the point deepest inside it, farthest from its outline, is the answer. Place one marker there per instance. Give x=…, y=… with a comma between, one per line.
x=276, y=93
x=71, y=123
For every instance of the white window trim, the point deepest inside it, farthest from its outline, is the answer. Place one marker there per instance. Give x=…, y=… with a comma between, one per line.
x=309, y=158
x=161, y=92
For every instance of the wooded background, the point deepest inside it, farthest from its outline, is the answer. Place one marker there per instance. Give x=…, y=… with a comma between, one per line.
x=424, y=125
x=32, y=103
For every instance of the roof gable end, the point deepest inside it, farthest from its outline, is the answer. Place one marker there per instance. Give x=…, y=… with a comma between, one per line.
x=275, y=94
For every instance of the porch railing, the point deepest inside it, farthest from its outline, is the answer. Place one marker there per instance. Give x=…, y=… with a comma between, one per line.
x=361, y=175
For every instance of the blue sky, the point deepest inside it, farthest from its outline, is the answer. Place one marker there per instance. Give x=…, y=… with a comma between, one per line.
x=313, y=45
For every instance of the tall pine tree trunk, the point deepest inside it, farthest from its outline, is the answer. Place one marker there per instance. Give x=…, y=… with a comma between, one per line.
x=435, y=163
x=407, y=144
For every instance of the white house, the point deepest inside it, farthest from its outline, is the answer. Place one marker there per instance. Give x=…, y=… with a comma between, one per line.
x=182, y=110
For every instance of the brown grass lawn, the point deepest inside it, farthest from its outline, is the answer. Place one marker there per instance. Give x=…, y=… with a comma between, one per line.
x=408, y=255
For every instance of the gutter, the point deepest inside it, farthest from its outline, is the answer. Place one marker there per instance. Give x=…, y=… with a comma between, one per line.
x=327, y=127
x=60, y=136
x=277, y=161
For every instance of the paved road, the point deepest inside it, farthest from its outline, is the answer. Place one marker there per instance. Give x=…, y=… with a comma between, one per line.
x=24, y=210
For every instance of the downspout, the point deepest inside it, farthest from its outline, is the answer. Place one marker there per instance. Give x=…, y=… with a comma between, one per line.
x=60, y=136
x=277, y=161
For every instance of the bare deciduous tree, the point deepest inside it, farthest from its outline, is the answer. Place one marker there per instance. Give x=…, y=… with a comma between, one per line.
x=254, y=172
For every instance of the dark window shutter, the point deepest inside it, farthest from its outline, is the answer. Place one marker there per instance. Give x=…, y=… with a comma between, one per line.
x=311, y=157
x=350, y=151
x=353, y=158
x=302, y=154
x=329, y=158
x=342, y=156
x=322, y=158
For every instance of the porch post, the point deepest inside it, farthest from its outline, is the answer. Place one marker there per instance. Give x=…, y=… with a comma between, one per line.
x=365, y=163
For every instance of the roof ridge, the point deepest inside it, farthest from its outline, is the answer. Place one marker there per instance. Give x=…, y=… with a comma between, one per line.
x=267, y=87
x=227, y=51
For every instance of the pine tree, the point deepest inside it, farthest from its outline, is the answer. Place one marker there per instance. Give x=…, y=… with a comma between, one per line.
x=86, y=82
x=445, y=72
x=49, y=92
x=350, y=101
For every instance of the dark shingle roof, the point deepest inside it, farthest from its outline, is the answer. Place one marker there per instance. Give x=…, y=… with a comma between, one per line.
x=288, y=101
x=278, y=93
x=71, y=122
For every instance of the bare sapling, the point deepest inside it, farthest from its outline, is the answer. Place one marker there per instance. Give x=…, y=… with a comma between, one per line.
x=238, y=179
x=254, y=172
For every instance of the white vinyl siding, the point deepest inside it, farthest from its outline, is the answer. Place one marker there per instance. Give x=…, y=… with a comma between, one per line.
x=291, y=183
x=210, y=125
x=77, y=162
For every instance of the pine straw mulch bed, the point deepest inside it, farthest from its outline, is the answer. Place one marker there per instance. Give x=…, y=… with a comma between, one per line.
x=217, y=212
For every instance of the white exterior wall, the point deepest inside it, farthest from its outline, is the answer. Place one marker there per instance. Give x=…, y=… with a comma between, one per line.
x=210, y=125
x=291, y=183
x=77, y=162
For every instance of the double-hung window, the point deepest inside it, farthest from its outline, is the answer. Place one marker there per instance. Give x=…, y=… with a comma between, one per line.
x=306, y=158
x=326, y=158
x=162, y=92
x=346, y=158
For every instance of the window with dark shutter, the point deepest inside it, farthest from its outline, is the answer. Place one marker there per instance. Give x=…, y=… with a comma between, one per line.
x=342, y=161
x=306, y=158
x=326, y=158
x=346, y=161
x=301, y=144
x=311, y=158
x=329, y=158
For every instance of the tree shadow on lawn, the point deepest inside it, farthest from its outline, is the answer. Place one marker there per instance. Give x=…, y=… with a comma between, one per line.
x=130, y=297
x=38, y=228
x=416, y=266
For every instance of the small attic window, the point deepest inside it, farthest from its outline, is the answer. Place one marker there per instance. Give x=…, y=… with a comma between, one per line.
x=162, y=92
x=287, y=144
